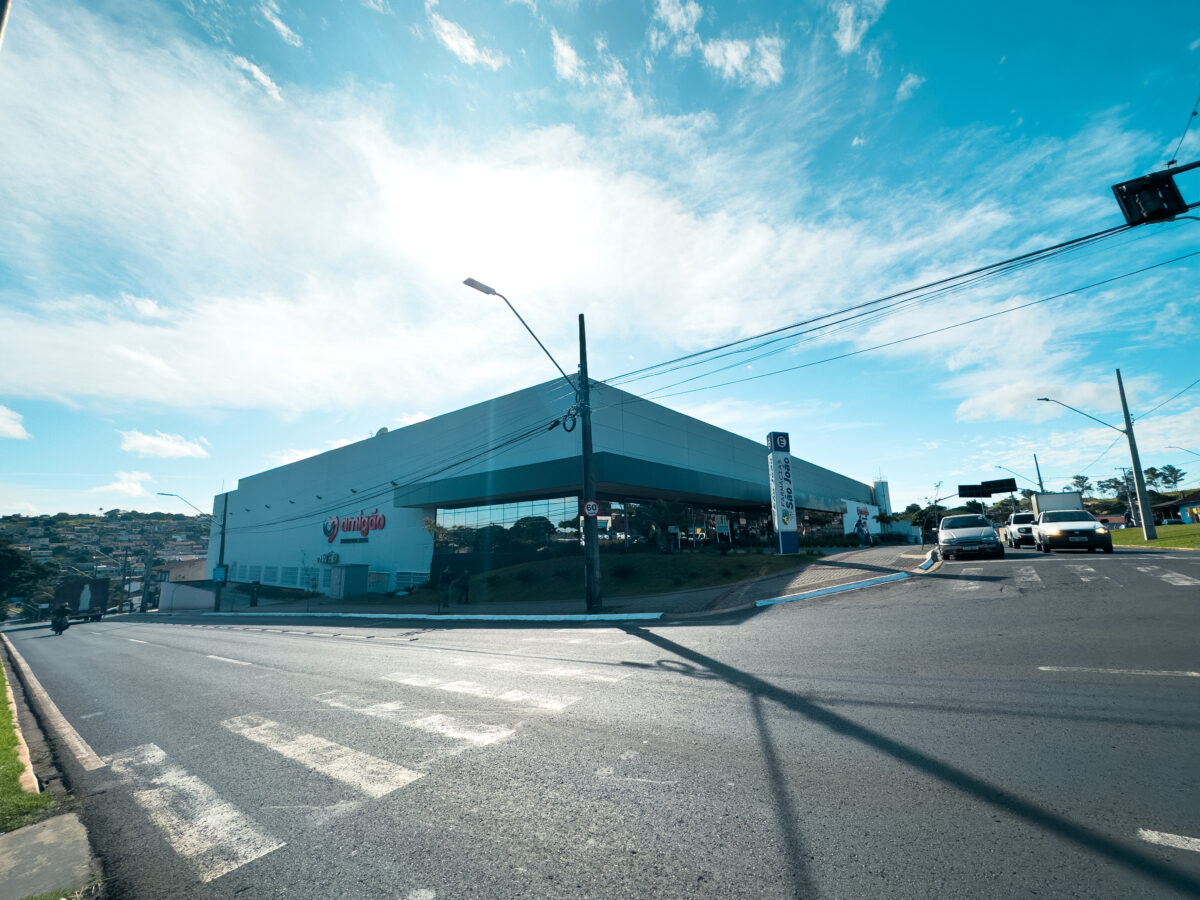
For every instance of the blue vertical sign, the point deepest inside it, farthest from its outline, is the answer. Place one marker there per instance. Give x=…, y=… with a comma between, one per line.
x=783, y=494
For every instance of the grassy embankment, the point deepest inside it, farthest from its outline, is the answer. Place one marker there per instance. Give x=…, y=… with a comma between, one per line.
x=1170, y=537
x=624, y=575
x=17, y=807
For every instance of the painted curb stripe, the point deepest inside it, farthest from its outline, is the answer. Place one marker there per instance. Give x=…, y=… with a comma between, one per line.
x=836, y=589
x=460, y=617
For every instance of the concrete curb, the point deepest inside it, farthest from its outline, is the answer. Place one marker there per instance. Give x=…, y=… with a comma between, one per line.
x=834, y=589
x=27, y=779
x=930, y=561
x=459, y=617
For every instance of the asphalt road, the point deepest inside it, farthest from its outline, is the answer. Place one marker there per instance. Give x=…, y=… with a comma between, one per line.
x=992, y=729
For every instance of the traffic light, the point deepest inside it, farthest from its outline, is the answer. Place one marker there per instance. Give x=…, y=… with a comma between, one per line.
x=1151, y=198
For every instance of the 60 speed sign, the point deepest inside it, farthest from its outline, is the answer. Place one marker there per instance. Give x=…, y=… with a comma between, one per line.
x=591, y=509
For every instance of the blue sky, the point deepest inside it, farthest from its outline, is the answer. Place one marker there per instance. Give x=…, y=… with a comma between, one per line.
x=234, y=233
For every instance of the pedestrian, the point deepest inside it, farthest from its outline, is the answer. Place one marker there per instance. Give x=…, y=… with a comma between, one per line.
x=445, y=583
x=463, y=585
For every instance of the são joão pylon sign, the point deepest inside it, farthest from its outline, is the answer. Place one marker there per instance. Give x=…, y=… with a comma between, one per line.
x=783, y=492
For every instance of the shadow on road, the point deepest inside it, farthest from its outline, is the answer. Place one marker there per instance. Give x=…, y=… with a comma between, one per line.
x=976, y=788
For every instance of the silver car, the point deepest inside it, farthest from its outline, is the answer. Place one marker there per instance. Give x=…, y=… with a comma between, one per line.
x=968, y=534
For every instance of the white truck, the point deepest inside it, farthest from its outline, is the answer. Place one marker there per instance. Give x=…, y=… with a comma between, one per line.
x=1062, y=500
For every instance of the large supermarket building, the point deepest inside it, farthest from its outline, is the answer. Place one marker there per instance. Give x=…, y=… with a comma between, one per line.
x=356, y=515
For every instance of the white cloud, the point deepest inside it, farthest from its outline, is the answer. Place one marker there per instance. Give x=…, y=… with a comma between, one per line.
x=11, y=425
x=458, y=41
x=259, y=76
x=269, y=10
x=908, y=86
x=166, y=446
x=127, y=484
x=857, y=142
x=681, y=18
x=853, y=20
x=566, y=61
x=379, y=6
x=759, y=63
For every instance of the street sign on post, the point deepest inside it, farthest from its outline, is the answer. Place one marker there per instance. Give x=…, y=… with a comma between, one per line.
x=1000, y=486
x=591, y=509
x=973, y=490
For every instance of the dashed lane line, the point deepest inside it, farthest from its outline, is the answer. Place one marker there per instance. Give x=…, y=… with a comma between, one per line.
x=1178, y=841
x=1098, y=671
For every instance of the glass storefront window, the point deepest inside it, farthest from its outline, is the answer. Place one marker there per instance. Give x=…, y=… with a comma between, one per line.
x=559, y=509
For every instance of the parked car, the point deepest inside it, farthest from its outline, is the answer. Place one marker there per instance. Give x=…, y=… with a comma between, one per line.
x=1019, y=529
x=1070, y=529
x=968, y=534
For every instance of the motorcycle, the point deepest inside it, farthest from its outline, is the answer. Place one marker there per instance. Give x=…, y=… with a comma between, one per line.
x=59, y=623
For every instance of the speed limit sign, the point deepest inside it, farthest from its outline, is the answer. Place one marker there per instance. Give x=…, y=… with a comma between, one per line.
x=591, y=509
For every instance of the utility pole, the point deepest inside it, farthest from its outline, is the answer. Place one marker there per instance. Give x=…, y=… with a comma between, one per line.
x=221, y=556
x=591, y=537
x=1038, y=469
x=1149, y=532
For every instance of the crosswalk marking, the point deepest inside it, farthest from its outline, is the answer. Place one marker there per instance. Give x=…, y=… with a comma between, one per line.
x=1178, y=841
x=394, y=711
x=1176, y=578
x=1087, y=573
x=202, y=828
x=969, y=585
x=413, y=679
x=568, y=672
x=1027, y=575
x=373, y=776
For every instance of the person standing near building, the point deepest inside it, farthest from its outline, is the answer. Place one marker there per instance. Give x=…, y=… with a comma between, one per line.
x=445, y=583
x=462, y=586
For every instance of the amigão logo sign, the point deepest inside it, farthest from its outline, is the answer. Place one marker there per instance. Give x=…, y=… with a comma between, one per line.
x=363, y=523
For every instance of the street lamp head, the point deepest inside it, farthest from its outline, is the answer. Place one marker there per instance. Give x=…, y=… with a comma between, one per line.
x=478, y=285
x=1044, y=399
x=161, y=494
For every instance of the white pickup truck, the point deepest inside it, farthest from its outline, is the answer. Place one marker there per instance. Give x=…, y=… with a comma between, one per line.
x=1018, y=529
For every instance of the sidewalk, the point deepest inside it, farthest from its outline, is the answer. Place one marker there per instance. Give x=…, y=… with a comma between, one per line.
x=836, y=569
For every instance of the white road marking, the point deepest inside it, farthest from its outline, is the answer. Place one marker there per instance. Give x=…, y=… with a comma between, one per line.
x=1027, y=575
x=1178, y=841
x=205, y=830
x=1087, y=573
x=554, y=640
x=1176, y=578
x=236, y=662
x=447, y=726
x=1119, y=671
x=373, y=776
x=568, y=672
x=136, y=641
x=969, y=585
x=79, y=748
x=479, y=690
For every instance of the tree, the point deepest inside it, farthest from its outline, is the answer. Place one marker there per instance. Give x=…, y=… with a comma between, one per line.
x=534, y=530
x=1154, y=478
x=1080, y=483
x=1171, y=477
x=20, y=575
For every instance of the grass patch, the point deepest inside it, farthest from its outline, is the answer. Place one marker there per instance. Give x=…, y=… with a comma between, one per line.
x=626, y=575
x=1183, y=537
x=17, y=808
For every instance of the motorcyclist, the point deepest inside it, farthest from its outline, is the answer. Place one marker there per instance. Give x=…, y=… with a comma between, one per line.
x=58, y=619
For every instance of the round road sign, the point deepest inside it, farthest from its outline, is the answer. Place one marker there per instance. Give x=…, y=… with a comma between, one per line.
x=591, y=509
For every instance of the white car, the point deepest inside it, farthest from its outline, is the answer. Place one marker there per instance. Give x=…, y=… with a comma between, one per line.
x=968, y=534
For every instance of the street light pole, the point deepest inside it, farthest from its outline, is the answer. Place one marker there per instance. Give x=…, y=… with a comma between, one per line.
x=1148, y=530
x=591, y=537
x=221, y=555
x=1139, y=480
x=583, y=406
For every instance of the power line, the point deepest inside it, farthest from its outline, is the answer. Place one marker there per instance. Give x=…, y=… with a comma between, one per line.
x=1195, y=111
x=937, y=330
x=1169, y=399
x=1013, y=262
